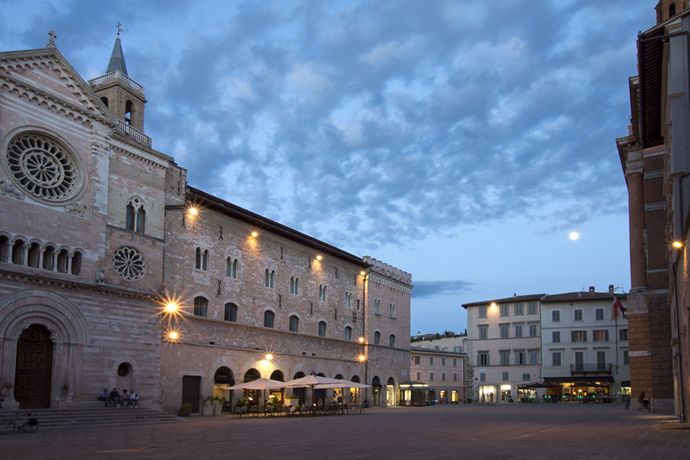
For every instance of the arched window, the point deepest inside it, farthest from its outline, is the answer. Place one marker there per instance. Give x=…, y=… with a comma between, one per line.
x=294, y=285
x=294, y=323
x=34, y=258
x=322, y=329
x=18, y=252
x=200, y=307
x=4, y=248
x=231, y=267
x=201, y=259
x=377, y=307
x=76, y=263
x=230, y=312
x=135, y=215
x=392, y=340
x=63, y=261
x=270, y=278
x=392, y=310
x=348, y=333
x=322, y=293
x=672, y=10
x=377, y=338
x=269, y=317
x=49, y=258
x=129, y=108
x=104, y=100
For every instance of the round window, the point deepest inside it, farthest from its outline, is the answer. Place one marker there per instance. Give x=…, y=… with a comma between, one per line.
x=43, y=167
x=128, y=263
x=124, y=369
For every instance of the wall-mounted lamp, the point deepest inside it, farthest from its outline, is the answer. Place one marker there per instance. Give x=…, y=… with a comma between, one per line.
x=677, y=244
x=319, y=257
x=255, y=234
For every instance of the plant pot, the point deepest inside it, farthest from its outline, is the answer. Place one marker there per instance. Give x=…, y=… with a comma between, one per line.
x=207, y=409
x=217, y=407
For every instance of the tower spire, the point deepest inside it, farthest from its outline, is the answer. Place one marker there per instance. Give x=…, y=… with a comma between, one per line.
x=117, y=58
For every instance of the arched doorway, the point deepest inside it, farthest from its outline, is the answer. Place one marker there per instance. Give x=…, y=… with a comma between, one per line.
x=34, y=368
x=300, y=392
x=223, y=378
x=277, y=393
x=375, y=391
x=254, y=396
x=354, y=392
x=390, y=392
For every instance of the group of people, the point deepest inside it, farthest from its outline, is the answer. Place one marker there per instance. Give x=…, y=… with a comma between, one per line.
x=114, y=398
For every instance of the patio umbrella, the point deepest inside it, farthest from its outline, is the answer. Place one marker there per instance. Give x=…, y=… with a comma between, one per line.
x=258, y=384
x=311, y=381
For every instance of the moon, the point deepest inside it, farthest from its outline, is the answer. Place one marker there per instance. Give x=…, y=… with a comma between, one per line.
x=574, y=236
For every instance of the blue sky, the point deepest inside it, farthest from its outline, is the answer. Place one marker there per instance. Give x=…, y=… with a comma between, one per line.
x=461, y=141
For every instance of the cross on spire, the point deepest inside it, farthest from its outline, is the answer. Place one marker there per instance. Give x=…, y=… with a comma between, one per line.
x=51, y=42
x=119, y=28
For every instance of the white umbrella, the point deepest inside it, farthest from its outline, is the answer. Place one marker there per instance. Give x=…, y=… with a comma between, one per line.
x=258, y=384
x=311, y=381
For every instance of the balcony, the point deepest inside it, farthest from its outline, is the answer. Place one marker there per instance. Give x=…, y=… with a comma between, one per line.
x=590, y=368
x=117, y=76
x=134, y=133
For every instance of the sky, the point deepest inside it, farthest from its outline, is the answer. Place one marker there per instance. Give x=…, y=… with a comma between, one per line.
x=461, y=141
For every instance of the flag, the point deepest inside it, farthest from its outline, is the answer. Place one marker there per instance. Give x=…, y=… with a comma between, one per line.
x=617, y=305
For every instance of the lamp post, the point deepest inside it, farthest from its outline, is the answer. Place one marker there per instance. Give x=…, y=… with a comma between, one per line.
x=363, y=359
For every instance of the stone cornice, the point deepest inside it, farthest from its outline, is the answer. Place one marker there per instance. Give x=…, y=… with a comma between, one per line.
x=46, y=281
x=49, y=101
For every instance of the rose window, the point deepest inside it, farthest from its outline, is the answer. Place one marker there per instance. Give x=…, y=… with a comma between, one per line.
x=42, y=167
x=128, y=263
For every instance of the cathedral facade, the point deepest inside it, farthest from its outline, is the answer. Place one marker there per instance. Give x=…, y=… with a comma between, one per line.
x=115, y=273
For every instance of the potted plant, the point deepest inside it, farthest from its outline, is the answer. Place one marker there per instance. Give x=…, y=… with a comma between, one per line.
x=185, y=410
x=217, y=405
x=207, y=406
x=292, y=400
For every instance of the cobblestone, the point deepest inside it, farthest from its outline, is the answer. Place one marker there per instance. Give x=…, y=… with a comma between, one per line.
x=516, y=431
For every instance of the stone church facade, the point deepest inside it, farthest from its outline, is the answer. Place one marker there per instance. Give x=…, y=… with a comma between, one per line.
x=106, y=253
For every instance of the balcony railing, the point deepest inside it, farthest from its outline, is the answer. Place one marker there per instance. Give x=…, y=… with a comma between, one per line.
x=134, y=133
x=117, y=75
x=591, y=368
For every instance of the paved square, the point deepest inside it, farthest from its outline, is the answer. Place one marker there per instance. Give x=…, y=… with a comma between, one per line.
x=516, y=431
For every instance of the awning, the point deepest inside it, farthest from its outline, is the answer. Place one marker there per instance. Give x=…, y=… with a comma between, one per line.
x=526, y=386
x=587, y=380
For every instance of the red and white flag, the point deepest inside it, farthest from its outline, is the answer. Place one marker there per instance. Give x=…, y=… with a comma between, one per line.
x=617, y=305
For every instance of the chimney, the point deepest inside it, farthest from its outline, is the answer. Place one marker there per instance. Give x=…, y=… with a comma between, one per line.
x=591, y=290
x=611, y=288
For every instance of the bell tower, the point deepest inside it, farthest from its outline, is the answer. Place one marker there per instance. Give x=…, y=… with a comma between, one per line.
x=122, y=95
x=666, y=9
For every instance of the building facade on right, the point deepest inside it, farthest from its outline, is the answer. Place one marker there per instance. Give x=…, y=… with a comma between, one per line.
x=655, y=156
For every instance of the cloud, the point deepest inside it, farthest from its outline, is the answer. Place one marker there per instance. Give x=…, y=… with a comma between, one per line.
x=370, y=123
x=425, y=289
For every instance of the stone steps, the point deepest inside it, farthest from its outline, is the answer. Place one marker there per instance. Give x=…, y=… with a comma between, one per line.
x=66, y=418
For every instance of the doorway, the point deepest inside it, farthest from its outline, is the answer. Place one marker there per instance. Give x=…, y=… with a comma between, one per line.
x=191, y=391
x=34, y=368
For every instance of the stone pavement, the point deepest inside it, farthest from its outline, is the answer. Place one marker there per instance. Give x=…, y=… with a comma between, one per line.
x=515, y=431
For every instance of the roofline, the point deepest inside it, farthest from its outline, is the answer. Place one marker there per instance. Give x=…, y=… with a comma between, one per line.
x=578, y=295
x=517, y=298
x=209, y=201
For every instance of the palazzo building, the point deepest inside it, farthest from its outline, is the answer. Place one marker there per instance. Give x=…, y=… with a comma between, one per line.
x=115, y=273
x=655, y=156
x=565, y=346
